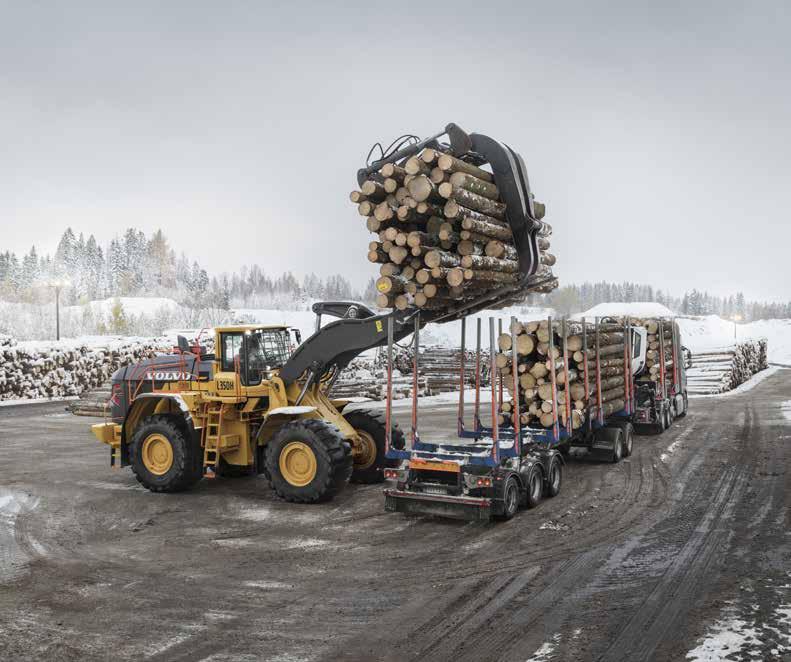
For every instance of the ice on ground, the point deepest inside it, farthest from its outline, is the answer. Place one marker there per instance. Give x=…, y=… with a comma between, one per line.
x=674, y=446
x=785, y=407
x=545, y=652
x=12, y=557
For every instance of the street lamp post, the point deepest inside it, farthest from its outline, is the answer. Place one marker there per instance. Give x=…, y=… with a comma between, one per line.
x=735, y=318
x=58, y=285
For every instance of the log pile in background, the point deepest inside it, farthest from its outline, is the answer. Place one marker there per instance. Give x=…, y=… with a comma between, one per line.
x=366, y=377
x=534, y=370
x=721, y=370
x=443, y=237
x=31, y=370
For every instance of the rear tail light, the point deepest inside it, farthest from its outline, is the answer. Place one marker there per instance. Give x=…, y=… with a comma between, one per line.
x=391, y=474
x=484, y=482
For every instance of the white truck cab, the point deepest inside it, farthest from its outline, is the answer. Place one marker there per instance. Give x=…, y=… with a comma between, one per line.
x=639, y=348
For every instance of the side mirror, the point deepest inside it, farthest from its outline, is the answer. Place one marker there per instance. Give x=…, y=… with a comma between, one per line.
x=297, y=336
x=687, y=357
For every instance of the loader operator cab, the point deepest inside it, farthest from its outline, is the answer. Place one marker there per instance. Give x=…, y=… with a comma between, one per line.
x=254, y=353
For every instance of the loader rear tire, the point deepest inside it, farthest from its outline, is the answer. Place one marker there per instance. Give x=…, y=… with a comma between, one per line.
x=163, y=457
x=307, y=461
x=369, y=466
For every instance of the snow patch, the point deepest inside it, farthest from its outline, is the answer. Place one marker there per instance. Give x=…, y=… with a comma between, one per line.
x=545, y=651
x=674, y=446
x=267, y=585
x=640, y=309
x=785, y=407
x=725, y=637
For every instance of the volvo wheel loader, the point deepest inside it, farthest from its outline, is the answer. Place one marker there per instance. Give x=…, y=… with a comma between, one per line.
x=255, y=406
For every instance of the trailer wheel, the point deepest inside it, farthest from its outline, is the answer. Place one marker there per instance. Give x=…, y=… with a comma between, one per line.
x=627, y=432
x=617, y=446
x=668, y=418
x=510, y=498
x=370, y=462
x=555, y=477
x=534, y=488
x=660, y=425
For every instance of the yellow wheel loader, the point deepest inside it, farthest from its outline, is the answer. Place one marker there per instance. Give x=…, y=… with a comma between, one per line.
x=252, y=406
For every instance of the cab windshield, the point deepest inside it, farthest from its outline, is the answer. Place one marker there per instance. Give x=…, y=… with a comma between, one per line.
x=267, y=349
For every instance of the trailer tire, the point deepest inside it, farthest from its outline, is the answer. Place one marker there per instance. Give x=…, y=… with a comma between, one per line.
x=555, y=478
x=617, y=446
x=373, y=429
x=686, y=405
x=627, y=433
x=668, y=418
x=534, y=487
x=511, y=498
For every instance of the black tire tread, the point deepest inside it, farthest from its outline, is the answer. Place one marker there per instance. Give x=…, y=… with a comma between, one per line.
x=375, y=473
x=337, y=452
x=188, y=463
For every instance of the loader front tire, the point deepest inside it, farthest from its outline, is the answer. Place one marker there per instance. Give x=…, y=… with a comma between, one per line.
x=163, y=457
x=370, y=462
x=308, y=461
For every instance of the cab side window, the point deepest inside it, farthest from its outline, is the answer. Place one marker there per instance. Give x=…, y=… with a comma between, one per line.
x=636, y=340
x=231, y=348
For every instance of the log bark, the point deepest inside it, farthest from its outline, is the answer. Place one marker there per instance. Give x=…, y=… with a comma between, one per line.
x=472, y=200
x=454, y=210
x=474, y=185
x=373, y=190
x=449, y=163
x=393, y=171
x=439, y=258
x=489, y=263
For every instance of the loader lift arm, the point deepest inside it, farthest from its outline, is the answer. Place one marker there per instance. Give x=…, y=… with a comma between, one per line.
x=337, y=343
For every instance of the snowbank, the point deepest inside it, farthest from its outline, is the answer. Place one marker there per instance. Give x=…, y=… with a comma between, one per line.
x=632, y=309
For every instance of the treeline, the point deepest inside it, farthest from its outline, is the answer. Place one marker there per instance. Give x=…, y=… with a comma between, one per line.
x=138, y=265
x=134, y=264
x=571, y=299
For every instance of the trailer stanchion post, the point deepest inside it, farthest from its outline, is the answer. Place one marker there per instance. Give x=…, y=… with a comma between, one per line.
x=586, y=377
x=554, y=380
x=626, y=369
x=499, y=375
x=630, y=358
x=460, y=423
x=415, y=380
x=676, y=377
x=515, y=376
x=662, y=358
x=495, y=428
x=477, y=414
x=569, y=416
x=599, y=406
x=389, y=387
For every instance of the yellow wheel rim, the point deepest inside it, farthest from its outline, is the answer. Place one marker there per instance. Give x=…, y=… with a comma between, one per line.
x=157, y=454
x=365, y=451
x=297, y=463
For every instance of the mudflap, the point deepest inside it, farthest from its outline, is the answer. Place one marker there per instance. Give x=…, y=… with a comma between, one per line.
x=463, y=508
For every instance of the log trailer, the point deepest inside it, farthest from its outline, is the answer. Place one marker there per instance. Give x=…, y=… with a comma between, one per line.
x=255, y=406
x=503, y=469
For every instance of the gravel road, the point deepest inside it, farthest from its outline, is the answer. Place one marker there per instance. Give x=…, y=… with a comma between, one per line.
x=684, y=546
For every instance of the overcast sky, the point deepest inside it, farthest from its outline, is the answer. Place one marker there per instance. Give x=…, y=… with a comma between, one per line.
x=657, y=134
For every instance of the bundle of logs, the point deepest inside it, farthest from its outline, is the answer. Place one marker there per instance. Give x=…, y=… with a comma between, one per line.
x=59, y=369
x=443, y=237
x=723, y=369
x=535, y=358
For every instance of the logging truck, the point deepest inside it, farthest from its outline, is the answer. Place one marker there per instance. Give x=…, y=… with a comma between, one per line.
x=505, y=467
x=254, y=405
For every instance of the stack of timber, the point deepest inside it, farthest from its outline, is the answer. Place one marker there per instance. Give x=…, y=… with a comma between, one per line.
x=721, y=370
x=366, y=377
x=58, y=369
x=442, y=234
x=538, y=358
x=441, y=367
